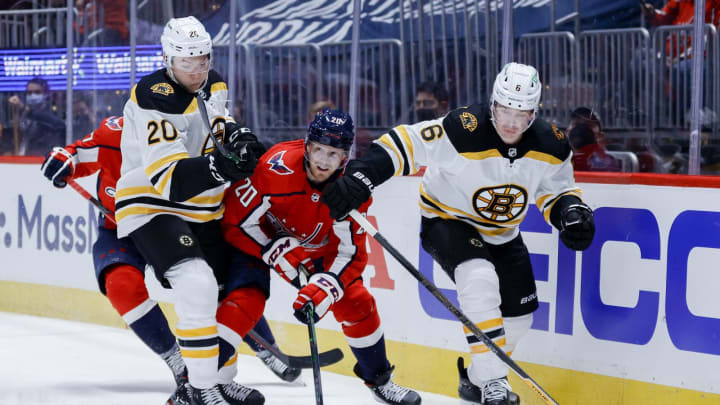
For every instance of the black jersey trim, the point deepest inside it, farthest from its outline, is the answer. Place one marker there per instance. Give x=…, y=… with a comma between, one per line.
x=163, y=203
x=396, y=139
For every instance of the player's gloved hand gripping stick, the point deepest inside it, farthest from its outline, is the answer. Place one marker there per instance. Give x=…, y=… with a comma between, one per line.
x=309, y=310
x=369, y=228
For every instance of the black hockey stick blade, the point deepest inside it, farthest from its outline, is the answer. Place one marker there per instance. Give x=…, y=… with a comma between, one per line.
x=327, y=358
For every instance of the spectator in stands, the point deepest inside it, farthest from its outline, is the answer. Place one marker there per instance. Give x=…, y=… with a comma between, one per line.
x=109, y=16
x=587, y=141
x=678, y=55
x=680, y=12
x=38, y=126
x=84, y=120
x=431, y=101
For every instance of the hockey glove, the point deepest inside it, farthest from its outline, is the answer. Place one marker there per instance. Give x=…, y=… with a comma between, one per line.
x=59, y=166
x=577, y=226
x=348, y=192
x=322, y=291
x=286, y=255
x=240, y=143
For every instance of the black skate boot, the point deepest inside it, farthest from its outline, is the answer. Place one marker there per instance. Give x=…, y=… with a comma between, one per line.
x=493, y=392
x=181, y=396
x=386, y=391
x=238, y=394
x=280, y=369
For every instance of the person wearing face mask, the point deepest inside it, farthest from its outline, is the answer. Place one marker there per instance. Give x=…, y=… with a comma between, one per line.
x=485, y=165
x=431, y=101
x=275, y=219
x=39, y=127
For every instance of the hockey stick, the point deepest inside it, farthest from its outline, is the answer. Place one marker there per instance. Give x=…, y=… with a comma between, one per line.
x=369, y=228
x=309, y=310
x=203, y=112
x=325, y=358
x=94, y=201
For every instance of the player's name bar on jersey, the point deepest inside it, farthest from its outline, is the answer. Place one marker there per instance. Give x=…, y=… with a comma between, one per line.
x=97, y=68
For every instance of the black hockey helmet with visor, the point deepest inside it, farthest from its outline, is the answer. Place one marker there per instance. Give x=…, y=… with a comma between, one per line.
x=333, y=128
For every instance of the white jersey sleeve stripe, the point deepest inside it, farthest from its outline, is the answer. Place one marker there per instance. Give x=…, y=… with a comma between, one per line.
x=153, y=168
x=251, y=224
x=547, y=209
x=386, y=143
x=87, y=154
x=346, y=249
x=408, y=145
x=164, y=180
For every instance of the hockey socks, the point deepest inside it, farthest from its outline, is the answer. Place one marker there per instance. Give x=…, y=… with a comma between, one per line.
x=127, y=293
x=262, y=328
x=236, y=315
x=371, y=360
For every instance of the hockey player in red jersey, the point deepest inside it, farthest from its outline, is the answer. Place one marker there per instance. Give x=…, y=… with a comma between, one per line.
x=276, y=220
x=119, y=267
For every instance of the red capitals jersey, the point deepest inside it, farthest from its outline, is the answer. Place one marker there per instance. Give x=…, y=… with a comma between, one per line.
x=279, y=199
x=100, y=151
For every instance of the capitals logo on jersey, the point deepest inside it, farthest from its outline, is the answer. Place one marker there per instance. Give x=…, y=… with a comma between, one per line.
x=114, y=123
x=277, y=165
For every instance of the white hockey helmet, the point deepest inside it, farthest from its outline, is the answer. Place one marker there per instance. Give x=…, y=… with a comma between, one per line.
x=517, y=86
x=184, y=37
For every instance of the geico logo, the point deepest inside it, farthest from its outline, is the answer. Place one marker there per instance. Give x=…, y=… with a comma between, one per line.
x=53, y=232
x=690, y=326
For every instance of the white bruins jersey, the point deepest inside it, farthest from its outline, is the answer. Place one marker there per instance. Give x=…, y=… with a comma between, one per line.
x=473, y=176
x=162, y=126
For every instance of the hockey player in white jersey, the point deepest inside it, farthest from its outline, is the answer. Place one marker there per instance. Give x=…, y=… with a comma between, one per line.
x=169, y=196
x=485, y=165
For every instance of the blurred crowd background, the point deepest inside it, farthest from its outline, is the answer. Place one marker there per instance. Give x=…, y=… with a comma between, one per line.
x=617, y=75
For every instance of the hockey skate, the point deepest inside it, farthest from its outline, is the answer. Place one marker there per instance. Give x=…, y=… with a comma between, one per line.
x=175, y=362
x=493, y=392
x=187, y=395
x=282, y=370
x=238, y=394
x=386, y=391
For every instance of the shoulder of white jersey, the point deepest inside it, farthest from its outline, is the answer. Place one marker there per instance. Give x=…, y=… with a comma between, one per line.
x=546, y=138
x=158, y=92
x=469, y=128
x=215, y=83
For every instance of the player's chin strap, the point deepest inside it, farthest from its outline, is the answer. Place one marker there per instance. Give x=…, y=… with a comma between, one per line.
x=369, y=228
x=309, y=312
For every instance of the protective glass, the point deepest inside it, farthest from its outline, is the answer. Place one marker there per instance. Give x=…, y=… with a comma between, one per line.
x=325, y=156
x=192, y=65
x=510, y=117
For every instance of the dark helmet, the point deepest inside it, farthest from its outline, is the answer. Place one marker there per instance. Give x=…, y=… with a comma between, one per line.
x=332, y=127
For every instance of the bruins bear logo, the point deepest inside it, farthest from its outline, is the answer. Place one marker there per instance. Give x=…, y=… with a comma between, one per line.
x=162, y=88
x=500, y=204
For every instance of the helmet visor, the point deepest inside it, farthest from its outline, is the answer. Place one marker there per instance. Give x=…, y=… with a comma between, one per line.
x=192, y=65
x=506, y=117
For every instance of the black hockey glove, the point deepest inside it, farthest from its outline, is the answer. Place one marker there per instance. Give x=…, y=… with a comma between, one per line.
x=577, y=226
x=243, y=149
x=349, y=191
